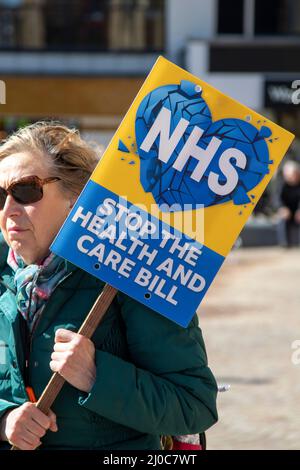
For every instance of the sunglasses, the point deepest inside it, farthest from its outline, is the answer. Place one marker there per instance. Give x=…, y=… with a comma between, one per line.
x=26, y=190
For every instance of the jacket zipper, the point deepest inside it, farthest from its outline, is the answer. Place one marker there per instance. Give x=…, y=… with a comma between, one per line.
x=28, y=335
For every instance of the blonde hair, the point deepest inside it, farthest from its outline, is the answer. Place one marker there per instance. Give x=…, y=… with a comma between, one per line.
x=67, y=154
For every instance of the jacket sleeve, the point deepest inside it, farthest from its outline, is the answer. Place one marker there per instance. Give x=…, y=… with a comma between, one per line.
x=6, y=406
x=167, y=388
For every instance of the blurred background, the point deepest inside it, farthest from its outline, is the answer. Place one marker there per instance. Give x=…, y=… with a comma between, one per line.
x=83, y=61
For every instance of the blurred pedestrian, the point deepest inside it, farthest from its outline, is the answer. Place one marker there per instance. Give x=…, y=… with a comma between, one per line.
x=289, y=206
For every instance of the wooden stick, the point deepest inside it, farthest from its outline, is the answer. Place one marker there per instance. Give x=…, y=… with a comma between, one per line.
x=87, y=329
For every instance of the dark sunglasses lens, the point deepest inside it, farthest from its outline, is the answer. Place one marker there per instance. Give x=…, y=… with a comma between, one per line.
x=2, y=198
x=27, y=193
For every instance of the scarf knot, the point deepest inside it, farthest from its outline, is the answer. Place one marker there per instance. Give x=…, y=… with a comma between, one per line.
x=35, y=283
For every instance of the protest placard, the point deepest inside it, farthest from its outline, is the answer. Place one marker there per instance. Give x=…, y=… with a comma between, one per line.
x=172, y=192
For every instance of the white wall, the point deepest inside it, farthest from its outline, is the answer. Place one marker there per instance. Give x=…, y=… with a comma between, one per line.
x=248, y=88
x=187, y=19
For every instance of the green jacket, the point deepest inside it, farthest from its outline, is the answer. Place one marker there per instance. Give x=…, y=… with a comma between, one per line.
x=152, y=375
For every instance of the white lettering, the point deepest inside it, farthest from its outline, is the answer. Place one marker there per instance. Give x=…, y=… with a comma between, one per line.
x=168, y=143
x=161, y=127
x=229, y=172
x=143, y=277
x=204, y=156
x=193, y=283
x=80, y=242
x=80, y=215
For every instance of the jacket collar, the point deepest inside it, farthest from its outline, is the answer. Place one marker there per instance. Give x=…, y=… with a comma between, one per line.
x=3, y=252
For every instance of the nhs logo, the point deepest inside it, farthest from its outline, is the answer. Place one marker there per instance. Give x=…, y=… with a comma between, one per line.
x=167, y=143
x=187, y=158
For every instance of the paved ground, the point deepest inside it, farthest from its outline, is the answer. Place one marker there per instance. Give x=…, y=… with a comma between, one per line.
x=250, y=318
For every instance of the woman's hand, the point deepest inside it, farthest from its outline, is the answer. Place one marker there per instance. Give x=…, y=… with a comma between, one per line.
x=74, y=359
x=297, y=216
x=284, y=213
x=24, y=426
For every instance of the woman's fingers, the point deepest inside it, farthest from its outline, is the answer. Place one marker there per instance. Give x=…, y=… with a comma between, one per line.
x=64, y=336
x=62, y=347
x=58, y=356
x=53, y=424
x=34, y=428
x=26, y=425
x=40, y=418
x=33, y=432
x=28, y=443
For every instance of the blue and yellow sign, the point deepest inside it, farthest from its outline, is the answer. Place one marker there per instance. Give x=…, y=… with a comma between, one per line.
x=172, y=192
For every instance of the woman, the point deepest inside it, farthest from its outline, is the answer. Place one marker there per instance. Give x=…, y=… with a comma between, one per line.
x=141, y=376
x=288, y=201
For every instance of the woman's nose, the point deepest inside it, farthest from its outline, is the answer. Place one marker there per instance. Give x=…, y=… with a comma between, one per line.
x=11, y=207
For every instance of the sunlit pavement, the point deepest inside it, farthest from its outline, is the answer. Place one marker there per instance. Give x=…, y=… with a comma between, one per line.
x=250, y=319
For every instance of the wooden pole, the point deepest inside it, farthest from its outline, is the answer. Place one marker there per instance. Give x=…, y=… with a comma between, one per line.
x=87, y=329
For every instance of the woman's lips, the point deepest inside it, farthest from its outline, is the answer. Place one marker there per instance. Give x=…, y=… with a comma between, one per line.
x=16, y=230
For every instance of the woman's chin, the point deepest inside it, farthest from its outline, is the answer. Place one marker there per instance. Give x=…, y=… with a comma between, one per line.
x=19, y=248
x=16, y=236
x=15, y=245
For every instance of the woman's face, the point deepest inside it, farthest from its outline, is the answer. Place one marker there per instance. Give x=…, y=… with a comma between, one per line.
x=29, y=230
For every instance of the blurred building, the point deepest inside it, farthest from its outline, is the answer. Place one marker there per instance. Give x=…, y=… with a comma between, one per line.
x=250, y=50
x=83, y=61
x=86, y=59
